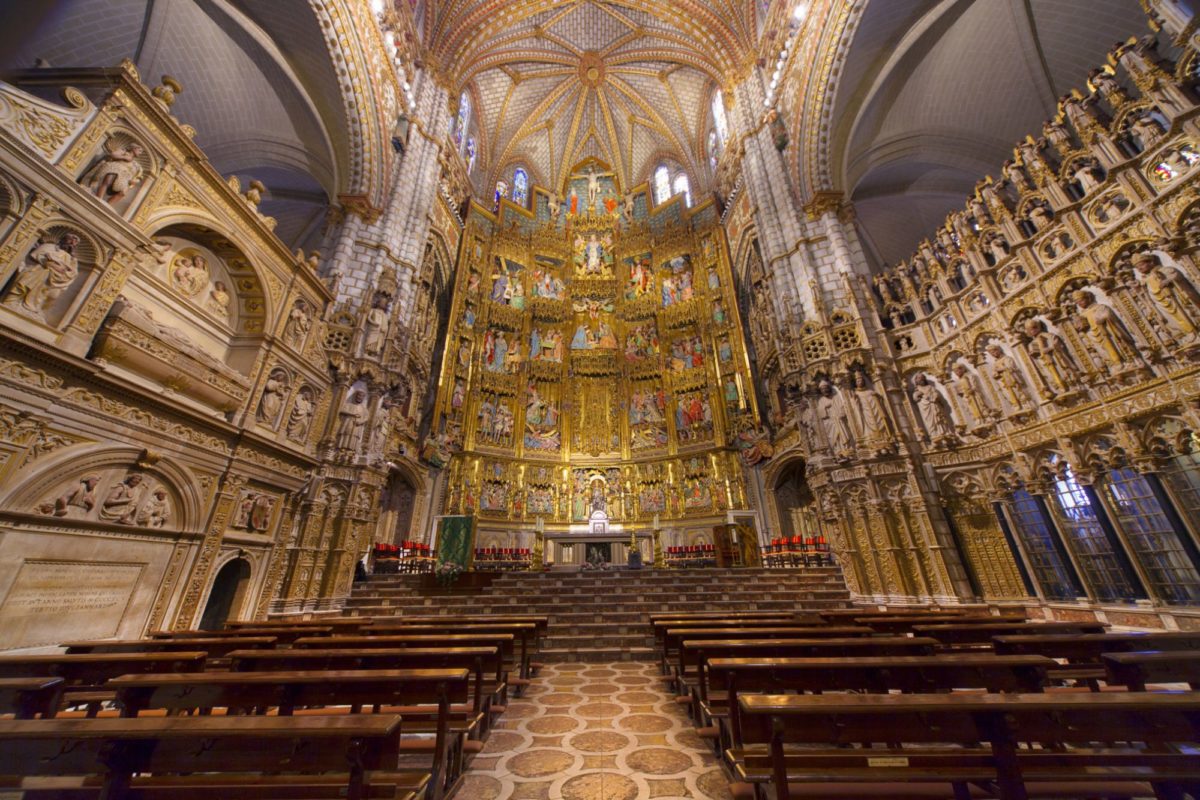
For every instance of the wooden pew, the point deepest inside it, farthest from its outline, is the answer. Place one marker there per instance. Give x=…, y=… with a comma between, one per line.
x=912, y=737
x=1136, y=670
x=84, y=675
x=747, y=615
x=216, y=647
x=661, y=626
x=526, y=633
x=506, y=643
x=895, y=624
x=672, y=638
x=283, y=635
x=952, y=636
x=1083, y=652
x=485, y=664
x=352, y=756
x=728, y=677
x=846, y=615
x=339, y=623
x=30, y=698
x=694, y=655
x=425, y=694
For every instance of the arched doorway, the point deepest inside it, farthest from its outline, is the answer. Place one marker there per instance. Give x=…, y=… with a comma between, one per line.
x=791, y=493
x=225, y=598
x=398, y=503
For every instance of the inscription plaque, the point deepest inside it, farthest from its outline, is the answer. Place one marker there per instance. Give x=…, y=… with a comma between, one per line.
x=56, y=601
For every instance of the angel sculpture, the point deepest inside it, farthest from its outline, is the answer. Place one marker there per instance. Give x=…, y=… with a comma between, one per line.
x=114, y=175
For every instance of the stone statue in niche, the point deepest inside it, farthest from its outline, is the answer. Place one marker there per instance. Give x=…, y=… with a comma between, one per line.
x=1105, y=332
x=189, y=275
x=932, y=410
x=1107, y=86
x=156, y=511
x=241, y=513
x=1057, y=135
x=377, y=325
x=1087, y=173
x=122, y=501
x=217, y=302
x=971, y=398
x=1172, y=294
x=298, y=325
x=872, y=418
x=274, y=391
x=300, y=417
x=78, y=502
x=1148, y=131
x=49, y=269
x=834, y=419
x=260, y=515
x=352, y=419
x=253, y=512
x=1006, y=372
x=1016, y=176
x=116, y=173
x=1049, y=355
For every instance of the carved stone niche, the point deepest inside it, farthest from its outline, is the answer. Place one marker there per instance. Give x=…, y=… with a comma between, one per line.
x=47, y=280
x=121, y=168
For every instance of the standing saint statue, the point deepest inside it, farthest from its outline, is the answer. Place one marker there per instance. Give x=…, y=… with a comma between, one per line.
x=1105, y=332
x=1172, y=294
x=352, y=418
x=49, y=269
x=874, y=424
x=377, y=325
x=831, y=411
x=930, y=406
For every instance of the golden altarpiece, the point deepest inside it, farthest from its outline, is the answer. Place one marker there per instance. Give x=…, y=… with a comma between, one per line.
x=596, y=380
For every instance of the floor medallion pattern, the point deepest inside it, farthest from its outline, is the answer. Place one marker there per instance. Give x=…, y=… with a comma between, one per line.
x=595, y=732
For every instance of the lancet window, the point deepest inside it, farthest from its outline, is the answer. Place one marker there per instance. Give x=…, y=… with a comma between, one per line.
x=1093, y=550
x=1037, y=540
x=1158, y=547
x=520, y=190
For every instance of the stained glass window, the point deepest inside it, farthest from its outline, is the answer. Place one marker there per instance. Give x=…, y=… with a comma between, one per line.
x=464, y=119
x=719, y=118
x=470, y=155
x=520, y=192
x=1093, y=550
x=1152, y=539
x=662, y=184
x=681, y=186
x=1037, y=540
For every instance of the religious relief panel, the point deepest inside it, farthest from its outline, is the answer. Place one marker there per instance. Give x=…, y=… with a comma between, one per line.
x=114, y=497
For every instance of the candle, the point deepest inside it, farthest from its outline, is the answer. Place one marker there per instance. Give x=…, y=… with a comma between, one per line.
x=541, y=524
x=656, y=522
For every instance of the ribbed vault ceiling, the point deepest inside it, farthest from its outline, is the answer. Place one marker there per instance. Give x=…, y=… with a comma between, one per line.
x=624, y=81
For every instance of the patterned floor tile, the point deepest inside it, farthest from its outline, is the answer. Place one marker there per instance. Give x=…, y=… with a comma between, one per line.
x=595, y=732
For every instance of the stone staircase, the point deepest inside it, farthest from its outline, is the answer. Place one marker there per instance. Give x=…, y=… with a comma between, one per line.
x=605, y=616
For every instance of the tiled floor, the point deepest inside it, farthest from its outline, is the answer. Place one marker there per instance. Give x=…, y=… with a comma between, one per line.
x=595, y=732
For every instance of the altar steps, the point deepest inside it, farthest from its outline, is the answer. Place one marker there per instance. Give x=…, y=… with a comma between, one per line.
x=605, y=616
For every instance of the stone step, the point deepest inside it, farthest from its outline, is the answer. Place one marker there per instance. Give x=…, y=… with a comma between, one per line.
x=614, y=641
x=595, y=617
x=595, y=655
x=646, y=610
